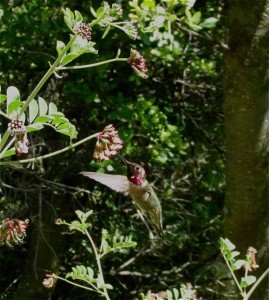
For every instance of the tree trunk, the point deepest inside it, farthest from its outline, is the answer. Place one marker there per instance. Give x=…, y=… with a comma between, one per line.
x=246, y=117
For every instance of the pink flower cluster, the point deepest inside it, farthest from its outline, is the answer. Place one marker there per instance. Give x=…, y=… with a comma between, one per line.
x=13, y=231
x=108, y=144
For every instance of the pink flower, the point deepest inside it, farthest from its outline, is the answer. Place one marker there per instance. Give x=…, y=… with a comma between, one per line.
x=13, y=231
x=48, y=282
x=84, y=31
x=138, y=63
x=108, y=144
x=16, y=127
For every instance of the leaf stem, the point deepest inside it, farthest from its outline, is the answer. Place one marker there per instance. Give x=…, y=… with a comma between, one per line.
x=264, y=274
x=4, y=115
x=232, y=272
x=50, y=71
x=98, y=261
x=35, y=159
x=76, y=284
x=7, y=146
x=92, y=65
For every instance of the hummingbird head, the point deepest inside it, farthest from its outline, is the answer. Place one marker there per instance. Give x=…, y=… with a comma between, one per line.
x=135, y=172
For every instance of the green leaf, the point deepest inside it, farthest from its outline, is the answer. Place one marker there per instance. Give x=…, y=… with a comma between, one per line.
x=104, y=245
x=196, y=17
x=176, y=293
x=169, y=295
x=172, y=17
x=234, y=254
x=3, y=98
x=109, y=286
x=34, y=127
x=106, y=31
x=43, y=106
x=52, y=108
x=43, y=119
x=68, y=58
x=248, y=280
x=93, y=11
x=100, y=281
x=68, y=13
x=83, y=216
x=8, y=153
x=209, y=22
x=159, y=20
x=238, y=264
x=60, y=120
x=227, y=244
x=1, y=13
x=33, y=110
x=90, y=272
x=14, y=105
x=148, y=4
x=78, y=16
x=13, y=94
x=190, y=3
x=59, y=47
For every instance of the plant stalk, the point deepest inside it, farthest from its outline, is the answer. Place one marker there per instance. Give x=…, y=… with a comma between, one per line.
x=92, y=65
x=29, y=160
x=98, y=261
x=232, y=272
x=264, y=274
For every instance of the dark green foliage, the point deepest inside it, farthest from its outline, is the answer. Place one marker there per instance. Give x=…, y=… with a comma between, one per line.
x=171, y=122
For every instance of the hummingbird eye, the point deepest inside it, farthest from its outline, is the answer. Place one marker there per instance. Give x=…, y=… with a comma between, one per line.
x=137, y=168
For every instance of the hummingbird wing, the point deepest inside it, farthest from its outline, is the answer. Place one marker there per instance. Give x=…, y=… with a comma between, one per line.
x=118, y=183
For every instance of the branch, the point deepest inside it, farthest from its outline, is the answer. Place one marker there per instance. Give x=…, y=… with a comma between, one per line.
x=98, y=261
x=35, y=159
x=92, y=65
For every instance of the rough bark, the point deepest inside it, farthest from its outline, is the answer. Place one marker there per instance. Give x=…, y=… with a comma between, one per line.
x=246, y=117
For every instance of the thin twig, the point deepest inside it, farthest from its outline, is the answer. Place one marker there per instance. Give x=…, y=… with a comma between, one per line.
x=35, y=159
x=92, y=65
x=264, y=274
x=98, y=261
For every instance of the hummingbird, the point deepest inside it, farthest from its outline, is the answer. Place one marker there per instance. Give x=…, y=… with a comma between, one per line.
x=136, y=185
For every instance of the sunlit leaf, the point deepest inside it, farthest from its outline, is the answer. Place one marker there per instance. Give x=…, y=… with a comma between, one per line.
x=52, y=108
x=8, y=153
x=3, y=98
x=43, y=119
x=43, y=106
x=238, y=264
x=13, y=94
x=247, y=280
x=60, y=46
x=34, y=127
x=68, y=58
x=14, y=105
x=100, y=281
x=33, y=110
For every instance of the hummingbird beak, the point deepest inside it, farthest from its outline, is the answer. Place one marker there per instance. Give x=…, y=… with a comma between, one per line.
x=123, y=159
